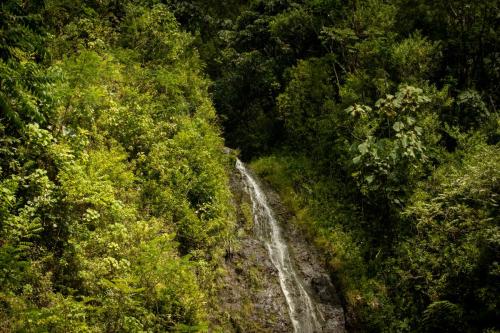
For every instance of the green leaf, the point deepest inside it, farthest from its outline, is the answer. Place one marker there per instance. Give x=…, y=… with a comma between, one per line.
x=398, y=126
x=404, y=141
x=363, y=148
x=410, y=120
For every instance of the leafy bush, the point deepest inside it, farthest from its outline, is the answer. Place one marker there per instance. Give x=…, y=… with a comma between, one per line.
x=115, y=205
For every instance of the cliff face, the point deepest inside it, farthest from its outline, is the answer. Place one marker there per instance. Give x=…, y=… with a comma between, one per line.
x=251, y=298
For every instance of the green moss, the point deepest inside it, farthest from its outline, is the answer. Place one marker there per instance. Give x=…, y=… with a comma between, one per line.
x=246, y=209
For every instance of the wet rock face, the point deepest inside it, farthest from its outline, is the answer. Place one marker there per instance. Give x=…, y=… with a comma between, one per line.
x=251, y=297
x=323, y=287
x=307, y=260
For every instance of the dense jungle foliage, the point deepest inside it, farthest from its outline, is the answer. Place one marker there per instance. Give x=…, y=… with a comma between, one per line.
x=377, y=120
x=114, y=207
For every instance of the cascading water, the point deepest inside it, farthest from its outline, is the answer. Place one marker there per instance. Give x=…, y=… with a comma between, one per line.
x=300, y=305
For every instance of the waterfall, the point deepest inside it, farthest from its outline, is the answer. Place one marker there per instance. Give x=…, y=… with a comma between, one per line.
x=300, y=305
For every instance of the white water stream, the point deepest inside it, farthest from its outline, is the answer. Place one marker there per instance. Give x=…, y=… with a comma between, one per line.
x=300, y=305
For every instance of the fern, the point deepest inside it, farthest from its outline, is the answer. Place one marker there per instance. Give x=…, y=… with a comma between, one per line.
x=442, y=316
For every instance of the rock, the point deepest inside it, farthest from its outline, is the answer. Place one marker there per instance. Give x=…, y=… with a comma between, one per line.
x=251, y=298
x=325, y=290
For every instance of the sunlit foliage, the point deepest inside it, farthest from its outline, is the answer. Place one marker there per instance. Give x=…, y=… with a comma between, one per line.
x=114, y=200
